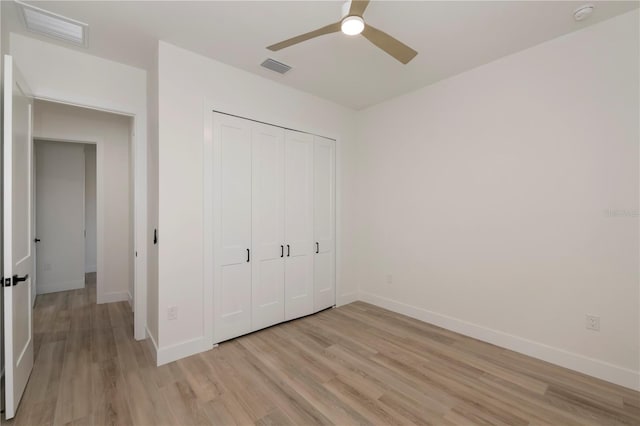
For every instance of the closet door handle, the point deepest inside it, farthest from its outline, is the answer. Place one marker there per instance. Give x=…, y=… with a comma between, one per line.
x=288, y=250
x=317, y=247
x=248, y=255
x=281, y=251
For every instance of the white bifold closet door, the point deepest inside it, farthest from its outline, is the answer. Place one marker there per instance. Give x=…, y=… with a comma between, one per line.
x=324, y=213
x=232, y=226
x=298, y=228
x=273, y=225
x=268, y=263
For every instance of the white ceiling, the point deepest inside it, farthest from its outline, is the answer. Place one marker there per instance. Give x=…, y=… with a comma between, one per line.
x=451, y=37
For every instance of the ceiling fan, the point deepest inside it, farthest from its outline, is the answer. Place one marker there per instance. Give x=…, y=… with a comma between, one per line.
x=352, y=23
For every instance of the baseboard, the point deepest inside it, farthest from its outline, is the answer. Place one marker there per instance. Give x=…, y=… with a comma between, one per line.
x=592, y=367
x=182, y=350
x=152, y=345
x=347, y=298
x=130, y=300
x=56, y=287
x=90, y=268
x=116, y=296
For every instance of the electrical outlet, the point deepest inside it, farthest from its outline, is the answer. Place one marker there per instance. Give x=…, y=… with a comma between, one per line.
x=389, y=279
x=593, y=323
x=172, y=313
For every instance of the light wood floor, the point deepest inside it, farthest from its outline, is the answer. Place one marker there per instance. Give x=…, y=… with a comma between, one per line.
x=357, y=364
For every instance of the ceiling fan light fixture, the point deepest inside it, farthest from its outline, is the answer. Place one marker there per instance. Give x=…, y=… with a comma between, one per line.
x=352, y=25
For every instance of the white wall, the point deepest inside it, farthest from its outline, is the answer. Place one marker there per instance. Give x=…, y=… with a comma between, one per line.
x=111, y=133
x=488, y=198
x=60, y=216
x=90, y=208
x=187, y=82
x=66, y=75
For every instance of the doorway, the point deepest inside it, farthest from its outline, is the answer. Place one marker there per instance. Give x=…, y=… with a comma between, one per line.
x=65, y=207
x=84, y=134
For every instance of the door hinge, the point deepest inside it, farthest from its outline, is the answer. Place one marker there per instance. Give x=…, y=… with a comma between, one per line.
x=7, y=282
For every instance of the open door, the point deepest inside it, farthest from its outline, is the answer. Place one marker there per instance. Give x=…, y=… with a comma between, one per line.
x=18, y=238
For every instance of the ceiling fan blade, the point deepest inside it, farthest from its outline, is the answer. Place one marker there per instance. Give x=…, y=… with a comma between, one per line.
x=393, y=47
x=331, y=28
x=358, y=7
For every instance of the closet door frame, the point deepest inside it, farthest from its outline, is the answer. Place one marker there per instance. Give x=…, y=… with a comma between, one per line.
x=280, y=119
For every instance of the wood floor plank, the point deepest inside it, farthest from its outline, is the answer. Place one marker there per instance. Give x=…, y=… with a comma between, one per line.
x=184, y=404
x=355, y=365
x=286, y=399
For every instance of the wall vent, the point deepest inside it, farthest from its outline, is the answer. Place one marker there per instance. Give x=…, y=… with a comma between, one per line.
x=273, y=65
x=51, y=24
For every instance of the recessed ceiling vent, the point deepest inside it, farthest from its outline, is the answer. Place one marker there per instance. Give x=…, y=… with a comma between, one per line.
x=273, y=65
x=51, y=24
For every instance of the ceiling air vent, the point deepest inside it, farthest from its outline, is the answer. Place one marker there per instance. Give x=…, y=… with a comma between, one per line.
x=273, y=65
x=51, y=24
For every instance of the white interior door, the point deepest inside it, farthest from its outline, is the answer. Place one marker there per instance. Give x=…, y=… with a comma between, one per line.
x=268, y=225
x=18, y=236
x=298, y=224
x=60, y=219
x=324, y=214
x=232, y=227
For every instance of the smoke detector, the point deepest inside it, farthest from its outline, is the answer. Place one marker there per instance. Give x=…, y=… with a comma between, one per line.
x=583, y=12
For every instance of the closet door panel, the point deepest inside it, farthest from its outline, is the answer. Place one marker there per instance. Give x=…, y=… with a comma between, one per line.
x=268, y=225
x=232, y=225
x=324, y=222
x=298, y=224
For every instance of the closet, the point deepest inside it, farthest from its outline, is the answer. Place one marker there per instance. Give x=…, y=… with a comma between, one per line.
x=274, y=225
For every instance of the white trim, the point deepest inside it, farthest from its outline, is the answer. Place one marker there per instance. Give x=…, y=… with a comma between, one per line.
x=182, y=350
x=139, y=142
x=63, y=286
x=153, y=346
x=573, y=361
x=247, y=111
x=130, y=300
x=115, y=296
x=88, y=269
